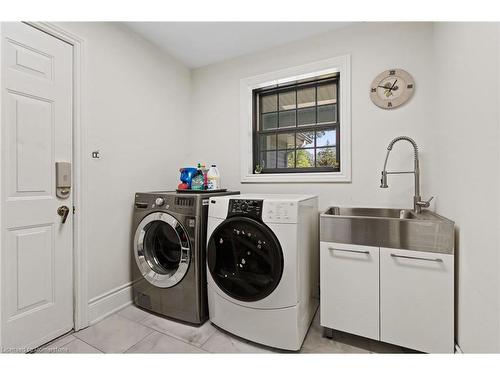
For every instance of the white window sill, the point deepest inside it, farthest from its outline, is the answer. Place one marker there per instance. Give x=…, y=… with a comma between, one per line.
x=295, y=177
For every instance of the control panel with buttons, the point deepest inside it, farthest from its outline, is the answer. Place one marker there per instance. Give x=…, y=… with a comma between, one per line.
x=245, y=207
x=280, y=212
x=264, y=210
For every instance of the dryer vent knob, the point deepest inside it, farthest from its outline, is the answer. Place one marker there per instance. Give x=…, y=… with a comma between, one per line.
x=160, y=201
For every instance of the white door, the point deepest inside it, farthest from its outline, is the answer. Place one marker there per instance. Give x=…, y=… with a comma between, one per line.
x=417, y=300
x=36, y=132
x=349, y=284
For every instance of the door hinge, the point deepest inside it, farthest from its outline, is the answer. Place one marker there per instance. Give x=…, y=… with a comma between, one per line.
x=74, y=209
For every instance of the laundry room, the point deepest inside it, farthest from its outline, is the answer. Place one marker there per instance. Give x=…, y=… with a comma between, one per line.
x=278, y=185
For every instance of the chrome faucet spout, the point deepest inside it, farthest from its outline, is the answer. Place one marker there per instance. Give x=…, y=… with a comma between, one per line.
x=417, y=200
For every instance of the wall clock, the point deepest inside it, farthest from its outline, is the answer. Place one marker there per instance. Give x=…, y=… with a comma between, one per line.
x=392, y=88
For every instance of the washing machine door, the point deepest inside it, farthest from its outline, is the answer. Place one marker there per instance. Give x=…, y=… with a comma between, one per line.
x=161, y=249
x=245, y=259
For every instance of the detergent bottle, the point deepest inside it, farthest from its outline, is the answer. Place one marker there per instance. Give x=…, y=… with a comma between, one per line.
x=197, y=183
x=198, y=179
x=213, y=178
x=204, y=170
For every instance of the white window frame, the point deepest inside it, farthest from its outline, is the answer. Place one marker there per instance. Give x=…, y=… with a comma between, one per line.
x=341, y=65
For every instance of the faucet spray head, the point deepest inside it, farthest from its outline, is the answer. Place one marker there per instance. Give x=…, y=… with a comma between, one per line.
x=383, y=180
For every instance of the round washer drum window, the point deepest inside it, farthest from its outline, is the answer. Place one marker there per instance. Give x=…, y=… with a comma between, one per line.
x=161, y=249
x=245, y=259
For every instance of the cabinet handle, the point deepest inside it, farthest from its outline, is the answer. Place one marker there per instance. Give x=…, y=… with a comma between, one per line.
x=350, y=251
x=410, y=257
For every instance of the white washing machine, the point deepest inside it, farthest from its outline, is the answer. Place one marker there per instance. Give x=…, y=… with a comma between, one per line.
x=262, y=259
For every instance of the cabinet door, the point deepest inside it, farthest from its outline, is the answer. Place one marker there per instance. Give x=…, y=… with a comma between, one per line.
x=416, y=300
x=349, y=277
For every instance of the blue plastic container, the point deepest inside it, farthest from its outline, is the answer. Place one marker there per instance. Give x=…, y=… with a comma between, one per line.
x=187, y=175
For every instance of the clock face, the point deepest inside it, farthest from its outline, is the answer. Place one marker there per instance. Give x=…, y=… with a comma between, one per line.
x=392, y=88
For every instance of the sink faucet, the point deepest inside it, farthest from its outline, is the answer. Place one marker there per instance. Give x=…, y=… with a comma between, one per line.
x=417, y=200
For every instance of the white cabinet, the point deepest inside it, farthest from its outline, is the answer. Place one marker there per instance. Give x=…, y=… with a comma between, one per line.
x=417, y=300
x=397, y=296
x=349, y=278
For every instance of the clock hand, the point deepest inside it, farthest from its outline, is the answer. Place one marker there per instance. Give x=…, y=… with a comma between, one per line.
x=393, y=85
x=388, y=88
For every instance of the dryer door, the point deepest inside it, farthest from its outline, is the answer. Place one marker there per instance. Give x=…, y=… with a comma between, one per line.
x=245, y=259
x=161, y=249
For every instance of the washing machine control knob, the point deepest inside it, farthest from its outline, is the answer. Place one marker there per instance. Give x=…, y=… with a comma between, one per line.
x=244, y=206
x=160, y=201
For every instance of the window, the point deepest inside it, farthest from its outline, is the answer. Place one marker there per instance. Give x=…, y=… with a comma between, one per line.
x=296, y=127
x=296, y=123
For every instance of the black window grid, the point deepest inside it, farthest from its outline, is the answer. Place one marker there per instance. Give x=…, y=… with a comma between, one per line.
x=333, y=125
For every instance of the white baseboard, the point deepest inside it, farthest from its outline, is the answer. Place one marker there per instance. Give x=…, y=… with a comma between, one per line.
x=110, y=302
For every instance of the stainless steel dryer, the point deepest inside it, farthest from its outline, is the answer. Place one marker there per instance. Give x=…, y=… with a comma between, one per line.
x=169, y=237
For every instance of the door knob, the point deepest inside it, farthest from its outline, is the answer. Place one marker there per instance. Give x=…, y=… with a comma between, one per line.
x=63, y=211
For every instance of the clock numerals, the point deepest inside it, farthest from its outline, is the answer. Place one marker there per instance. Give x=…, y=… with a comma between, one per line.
x=409, y=86
x=392, y=72
x=389, y=104
x=374, y=90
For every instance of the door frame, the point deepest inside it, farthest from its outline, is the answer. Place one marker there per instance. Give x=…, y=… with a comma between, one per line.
x=80, y=277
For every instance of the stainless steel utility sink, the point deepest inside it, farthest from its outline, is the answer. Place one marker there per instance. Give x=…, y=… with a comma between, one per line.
x=388, y=227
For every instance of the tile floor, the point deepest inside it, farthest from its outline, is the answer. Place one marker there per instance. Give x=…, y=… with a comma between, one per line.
x=133, y=330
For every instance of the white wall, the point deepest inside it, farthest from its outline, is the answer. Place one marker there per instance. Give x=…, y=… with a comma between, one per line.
x=136, y=114
x=465, y=170
x=374, y=47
